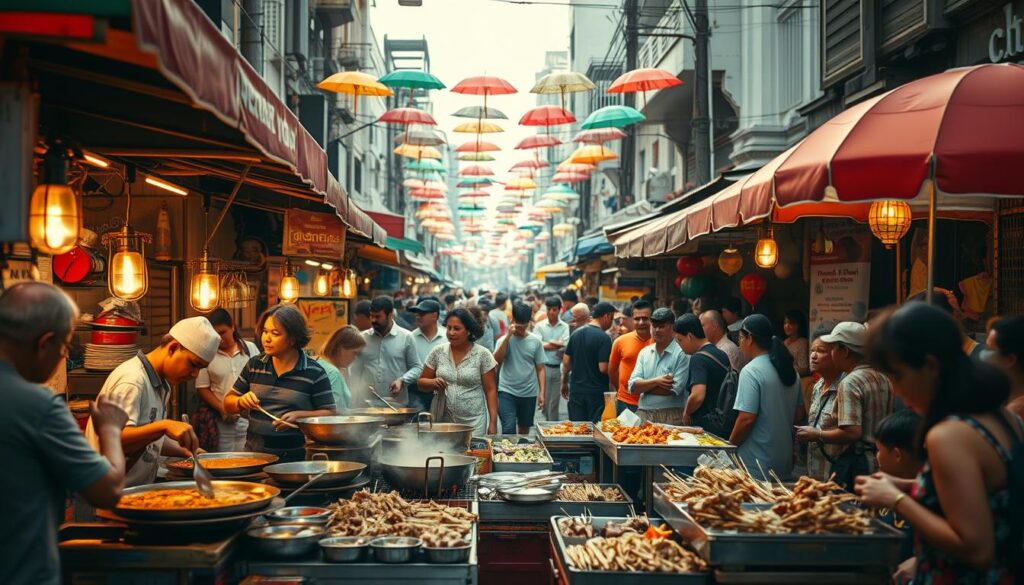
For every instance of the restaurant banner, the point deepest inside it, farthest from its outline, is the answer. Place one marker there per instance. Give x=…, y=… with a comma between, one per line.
x=841, y=278
x=313, y=235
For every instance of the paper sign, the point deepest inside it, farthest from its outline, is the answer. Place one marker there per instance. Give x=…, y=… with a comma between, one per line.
x=314, y=235
x=841, y=279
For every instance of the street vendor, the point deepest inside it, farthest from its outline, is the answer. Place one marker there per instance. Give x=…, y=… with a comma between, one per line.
x=141, y=386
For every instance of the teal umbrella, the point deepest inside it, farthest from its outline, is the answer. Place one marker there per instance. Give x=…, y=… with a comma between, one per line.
x=613, y=117
x=412, y=80
x=471, y=181
x=560, y=189
x=426, y=164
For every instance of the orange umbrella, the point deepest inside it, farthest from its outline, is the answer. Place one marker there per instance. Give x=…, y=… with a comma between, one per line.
x=476, y=171
x=355, y=84
x=477, y=147
x=643, y=80
x=478, y=127
x=592, y=154
x=547, y=116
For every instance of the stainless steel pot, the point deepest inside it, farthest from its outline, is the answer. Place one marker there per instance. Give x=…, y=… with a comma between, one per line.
x=336, y=473
x=431, y=473
x=391, y=417
x=286, y=540
x=344, y=549
x=394, y=549
x=352, y=431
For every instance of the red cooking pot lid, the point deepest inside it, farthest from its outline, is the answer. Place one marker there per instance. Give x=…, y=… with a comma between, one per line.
x=112, y=320
x=72, y=266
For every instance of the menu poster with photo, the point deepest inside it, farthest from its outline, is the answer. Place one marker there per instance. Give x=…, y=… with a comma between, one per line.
x=841, y=278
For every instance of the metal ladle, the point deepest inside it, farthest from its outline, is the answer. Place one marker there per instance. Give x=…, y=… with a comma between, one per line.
x=204, y=481
x=379, y=397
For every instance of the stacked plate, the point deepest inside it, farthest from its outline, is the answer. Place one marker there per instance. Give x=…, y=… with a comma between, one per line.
x=104, y=358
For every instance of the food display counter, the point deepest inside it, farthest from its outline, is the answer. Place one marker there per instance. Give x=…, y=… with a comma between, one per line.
x=573, y=450
x=499, y=510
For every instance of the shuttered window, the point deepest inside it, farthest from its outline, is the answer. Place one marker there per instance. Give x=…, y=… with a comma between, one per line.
x=791, y=48
x=842, y=40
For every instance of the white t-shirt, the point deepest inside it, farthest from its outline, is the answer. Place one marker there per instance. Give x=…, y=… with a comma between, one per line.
x=136, y=388
x=222, y=372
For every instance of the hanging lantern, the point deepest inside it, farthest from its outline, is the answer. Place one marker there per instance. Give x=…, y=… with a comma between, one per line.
x=695, y=286
x=205, y=288
x=127, y=275
x=753, y=287
x=766, y=251
x=53, y=219
x=689, y=265
x=730, y=261
x=347, y=276
x=889, y=221
x=322, y=284
x=288, y=292
x=678, y=282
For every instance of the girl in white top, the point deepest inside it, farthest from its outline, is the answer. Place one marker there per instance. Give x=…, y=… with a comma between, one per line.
x=217, y=379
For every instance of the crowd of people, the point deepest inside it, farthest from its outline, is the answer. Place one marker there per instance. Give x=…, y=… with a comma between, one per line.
x=905, y=409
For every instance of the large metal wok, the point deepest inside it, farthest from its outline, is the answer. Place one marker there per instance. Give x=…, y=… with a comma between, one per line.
x=178, y=464
x=431, y=473
x=392, y=418
x=352, y=431
x=335, y=473
x=262, y=496
x=432, y=437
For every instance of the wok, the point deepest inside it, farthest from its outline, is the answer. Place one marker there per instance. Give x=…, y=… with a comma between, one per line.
x=391, y=418
x=266, y=493
x=353, y=431
x=431, y=473
x=336, y=473
x=442, y=438
x=266, y=459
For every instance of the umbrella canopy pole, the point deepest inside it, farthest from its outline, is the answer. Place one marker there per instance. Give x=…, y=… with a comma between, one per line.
x=933, y=202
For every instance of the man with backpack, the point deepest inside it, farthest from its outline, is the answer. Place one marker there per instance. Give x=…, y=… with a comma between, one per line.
x=710, y=374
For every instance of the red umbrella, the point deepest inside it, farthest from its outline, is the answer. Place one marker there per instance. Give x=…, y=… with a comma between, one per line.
x=424, y=193
x=530, y=164
x=407, y=116
x=476, y=171
x=569, y=177
x=599, y=135
x=477, y=146
x=643, y=80
x=484, y=85
x=547, y=116
x=538, y=141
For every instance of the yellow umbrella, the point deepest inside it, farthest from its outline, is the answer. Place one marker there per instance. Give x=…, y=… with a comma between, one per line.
x=478, y=127
x=355, y=84
x=476, y=156
x=520, y=183
x=591, y=154
x=417, y=152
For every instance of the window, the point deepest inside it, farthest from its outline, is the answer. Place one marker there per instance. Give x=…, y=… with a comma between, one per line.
x=791, y=58
x=357, y=175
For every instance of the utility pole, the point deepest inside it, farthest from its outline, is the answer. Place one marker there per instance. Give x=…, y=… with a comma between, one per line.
x=629, y=144
x=702, y=93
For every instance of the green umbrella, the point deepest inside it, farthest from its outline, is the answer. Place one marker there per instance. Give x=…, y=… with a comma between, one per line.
x=470, y=181
x=613, y=117
x=426, y=164
x=476, y=156
x=411, y=79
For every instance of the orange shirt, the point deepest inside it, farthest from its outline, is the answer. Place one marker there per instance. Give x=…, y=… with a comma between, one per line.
x=625, y=349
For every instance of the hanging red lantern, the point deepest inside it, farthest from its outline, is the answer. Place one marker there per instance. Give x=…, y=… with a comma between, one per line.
x=679, y=281
x=689, y=265
x=753, y=287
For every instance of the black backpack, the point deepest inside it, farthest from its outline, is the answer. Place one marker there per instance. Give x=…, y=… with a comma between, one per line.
x=722, y=417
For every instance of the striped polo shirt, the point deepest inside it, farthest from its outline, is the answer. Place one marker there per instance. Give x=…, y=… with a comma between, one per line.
x=305, y=387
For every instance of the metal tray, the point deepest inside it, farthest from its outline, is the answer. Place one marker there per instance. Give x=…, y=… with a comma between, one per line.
x=520, y=467
x=232, y=472
x=268, y=493
x=577, y=577
x=576, y=439
x=653, y=455
x=502, y=511
x=883, y=547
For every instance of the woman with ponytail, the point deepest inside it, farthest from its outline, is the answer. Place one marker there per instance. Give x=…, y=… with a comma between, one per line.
x=221, y=430
x=768, y=401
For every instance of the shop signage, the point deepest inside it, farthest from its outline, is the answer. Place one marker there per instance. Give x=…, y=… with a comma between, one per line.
x=262, y=116
x=841, y=279
x=324, y=317
x=1005, y=41
x=314, y=235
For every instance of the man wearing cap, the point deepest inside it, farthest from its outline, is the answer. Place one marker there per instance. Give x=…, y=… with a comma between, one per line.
x=141, y=385
x=585, y=364
x=661, y=373
x=863, y=398
x=426, y=335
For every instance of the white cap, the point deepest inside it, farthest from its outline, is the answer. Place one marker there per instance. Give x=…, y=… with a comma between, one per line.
x=197, y=335
x=850, y=334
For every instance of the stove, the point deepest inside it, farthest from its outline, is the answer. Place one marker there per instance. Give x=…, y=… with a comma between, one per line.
x=464, y=492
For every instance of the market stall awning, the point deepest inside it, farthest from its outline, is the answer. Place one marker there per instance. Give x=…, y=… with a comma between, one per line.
x=403, y=244
x=422, y=264
x=557, y=268
x=166, y=92
x=392, y=223
x=594, y=245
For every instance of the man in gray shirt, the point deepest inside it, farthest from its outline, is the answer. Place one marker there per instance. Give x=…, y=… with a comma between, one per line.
x=427, y=335
x=497, y=317
x=661, y=374
x=45, y=452
x=555, y=334
x=389, y=361
x=521, y=381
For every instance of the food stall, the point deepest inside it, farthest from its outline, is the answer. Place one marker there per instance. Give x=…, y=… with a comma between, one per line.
x=573, y=449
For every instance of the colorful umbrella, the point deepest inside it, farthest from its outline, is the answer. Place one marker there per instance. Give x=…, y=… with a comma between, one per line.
x=520, y=184
x=569, y=178
x=420, y=137
x=426, y=165
x=411, y=79
x=474, y=182
x=547, y=116
x=591, y=154
x=476, y=157
x=417, y=152
x=530, y=164
x=355, y=84
x=477, y=147
x=480, y=113
x=599, y=135
x=479, y=192
x=538, y=141
x=422, y=193
x=476, y=171
x=407, y=116
x=563, y=82
x=478, y=127
x=643, y=80
x=484, y=85
x=572, y=167
x=613, y=117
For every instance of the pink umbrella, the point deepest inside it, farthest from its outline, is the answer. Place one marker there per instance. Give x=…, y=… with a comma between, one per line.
x=537, y=141
x=599, y=135
x=530, y=164
x=547, y=116
x=476, y=171
x=569, y=178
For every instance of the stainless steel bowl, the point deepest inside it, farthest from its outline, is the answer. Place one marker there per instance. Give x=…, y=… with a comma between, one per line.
x=285, y=540
x=307, y=515
x=353, y=431
x=449, y=555
x=394, y=549
x=344, y=549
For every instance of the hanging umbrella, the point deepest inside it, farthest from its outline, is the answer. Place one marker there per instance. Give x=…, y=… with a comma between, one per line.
x=417, y=152
x=563, y=82
x=480, y=113
x=422, y=193
x=407, y=116
x=476, y=171
x=613, y=117
x=355, y=84
x=599, y=135
x=643, y=80
x=478, y=192
x=426, y=165
x=569, y=178
x=476, y=156
x=571, y=167
x=530, y=164
x=538, y=141
x=477, y=146
x=478, y=127
x=591, y=154
x=562, y=190
x=411, y=79
x=484, y=85
x=474, y=182
x=520, y=184
x=420, y=137
x=547, y=116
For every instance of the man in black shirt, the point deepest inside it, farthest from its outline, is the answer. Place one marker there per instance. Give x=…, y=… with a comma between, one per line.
x=708, y=367
x=585, y=365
